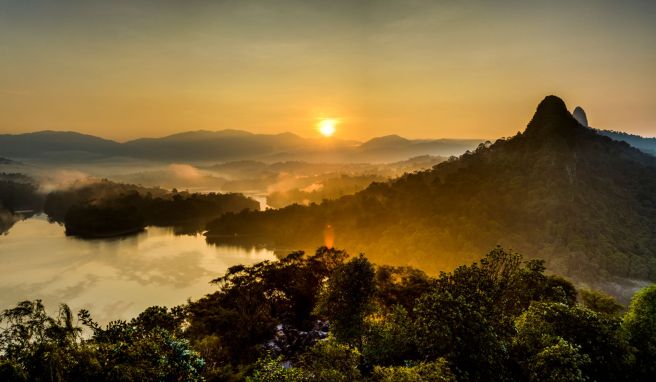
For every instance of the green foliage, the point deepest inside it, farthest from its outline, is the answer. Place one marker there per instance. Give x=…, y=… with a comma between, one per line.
x=559, y=362
x=129, y=354
x=595, y=337
x=251, y=301
x=436, y=371
x=499, y=319
x=640, y=322
x=11, y=371
x=560, y=290
x=37, y=347
x=600, y=302
x=400, y=286
x=272, y=370
x=347, y=299
x=389, y=338
x=451, y=326
x=326, y=361
x=474, y=308
x=331, y=361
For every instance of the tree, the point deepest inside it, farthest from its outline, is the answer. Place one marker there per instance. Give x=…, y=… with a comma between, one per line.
x=475, y=306
x=37, y=347
x=598, y=345
x=389, y=338
x=331, y=361
x=435, y=371
x=347, y=299
x=270, y=369
x=640, y=322
x=252, y=301
x=558, y=362
x=600, y=302
x=127, y=352
x=452, y=326
x=400, y=286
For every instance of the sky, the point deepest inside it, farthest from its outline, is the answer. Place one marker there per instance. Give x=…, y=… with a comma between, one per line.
x=421, y=69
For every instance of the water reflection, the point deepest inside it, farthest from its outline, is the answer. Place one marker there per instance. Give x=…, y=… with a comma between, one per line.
x=113, y=278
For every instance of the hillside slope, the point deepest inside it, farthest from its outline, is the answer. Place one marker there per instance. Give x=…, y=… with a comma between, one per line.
x=558, y=191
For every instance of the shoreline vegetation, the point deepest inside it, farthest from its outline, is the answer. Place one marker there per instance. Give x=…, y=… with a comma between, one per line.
x=19, y=199
x=335, y=317
x=102, y=208
x=132, y=213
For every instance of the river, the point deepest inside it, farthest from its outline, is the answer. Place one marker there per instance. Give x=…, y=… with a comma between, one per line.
x=113, y=278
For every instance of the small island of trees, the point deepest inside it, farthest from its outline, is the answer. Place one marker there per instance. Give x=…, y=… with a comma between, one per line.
x=105, y=208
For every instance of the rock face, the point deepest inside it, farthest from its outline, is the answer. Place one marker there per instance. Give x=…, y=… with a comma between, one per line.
x=579, y=115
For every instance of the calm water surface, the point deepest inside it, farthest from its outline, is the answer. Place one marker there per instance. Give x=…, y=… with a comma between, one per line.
x=113, y=278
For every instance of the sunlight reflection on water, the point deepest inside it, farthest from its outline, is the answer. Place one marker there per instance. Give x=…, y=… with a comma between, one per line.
x=113, y=278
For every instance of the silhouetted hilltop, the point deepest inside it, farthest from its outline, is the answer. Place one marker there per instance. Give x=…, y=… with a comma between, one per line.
x=51, y=145
x=384, y=142
x=552, y=122
x=558, y=191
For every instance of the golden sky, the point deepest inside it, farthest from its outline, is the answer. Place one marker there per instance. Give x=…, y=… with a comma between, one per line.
x=420, y=69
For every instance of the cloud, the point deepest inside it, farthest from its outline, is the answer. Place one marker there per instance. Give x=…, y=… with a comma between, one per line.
x=61, y=179
x=185, y=171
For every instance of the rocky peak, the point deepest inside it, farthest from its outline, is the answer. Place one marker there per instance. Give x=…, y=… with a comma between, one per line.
x=552, y=119
x=579, y=115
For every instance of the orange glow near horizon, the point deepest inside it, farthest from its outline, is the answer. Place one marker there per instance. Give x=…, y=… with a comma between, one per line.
x=426, y=69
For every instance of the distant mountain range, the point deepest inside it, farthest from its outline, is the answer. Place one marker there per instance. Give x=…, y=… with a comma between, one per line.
x=558, y=191
x=221, y=146
x=647, y=145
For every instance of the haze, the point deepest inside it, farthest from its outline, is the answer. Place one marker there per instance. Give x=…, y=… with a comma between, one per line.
x=473, y=69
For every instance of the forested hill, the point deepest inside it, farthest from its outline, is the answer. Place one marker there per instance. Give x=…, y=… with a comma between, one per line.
x=558, y=191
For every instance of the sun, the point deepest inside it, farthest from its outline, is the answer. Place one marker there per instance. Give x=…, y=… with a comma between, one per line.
x=327, y=127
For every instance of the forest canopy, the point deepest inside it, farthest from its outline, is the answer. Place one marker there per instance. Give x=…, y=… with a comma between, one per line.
x=558, y=191
x=335, y=317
